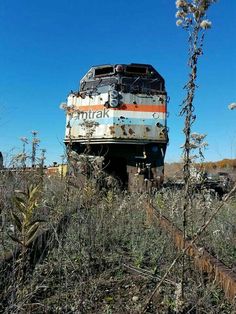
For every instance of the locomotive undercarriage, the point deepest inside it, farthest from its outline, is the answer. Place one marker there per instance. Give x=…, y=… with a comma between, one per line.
x=138, y=167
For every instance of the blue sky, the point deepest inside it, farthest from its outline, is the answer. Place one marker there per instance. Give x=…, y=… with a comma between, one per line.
x=47, y=46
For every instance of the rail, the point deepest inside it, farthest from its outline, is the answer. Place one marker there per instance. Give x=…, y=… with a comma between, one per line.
x=224, y=276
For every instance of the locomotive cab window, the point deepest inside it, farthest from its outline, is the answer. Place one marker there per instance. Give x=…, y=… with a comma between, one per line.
x=136, y=70
x=104, y=71
x=139, y=84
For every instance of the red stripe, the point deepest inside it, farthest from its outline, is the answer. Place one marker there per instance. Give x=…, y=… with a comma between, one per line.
x=128, y=107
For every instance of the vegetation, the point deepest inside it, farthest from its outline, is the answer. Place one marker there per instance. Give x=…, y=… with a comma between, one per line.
x=78, y=244
x=111, y=255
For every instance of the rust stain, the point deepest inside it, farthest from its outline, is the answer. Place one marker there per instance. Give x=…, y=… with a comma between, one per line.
x=112, y=129
x=203, y=260
x=131, y=132
x=123, y=129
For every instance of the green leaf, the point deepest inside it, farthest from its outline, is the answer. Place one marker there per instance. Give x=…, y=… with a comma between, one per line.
x=31, y=208
x=16, y=239
x=20, y=203
x=20, y=192
x=19, y=199
x=109, y=299
x=33, y=193
x=32, y=227
x=34, y=221
x=32, y=236
x=31, y=233
x=17, y=221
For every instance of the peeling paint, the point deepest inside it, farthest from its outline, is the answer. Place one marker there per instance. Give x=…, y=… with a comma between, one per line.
x=112, y=129
x=140, y=116
x=131, y=132
x=123, y=129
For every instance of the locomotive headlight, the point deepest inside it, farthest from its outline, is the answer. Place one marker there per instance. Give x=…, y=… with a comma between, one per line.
x=119, y=68
x=114, y=98
x=114, y=103
x=114, y=94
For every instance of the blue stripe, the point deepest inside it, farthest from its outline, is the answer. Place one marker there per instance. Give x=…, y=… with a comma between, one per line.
x=128, y=121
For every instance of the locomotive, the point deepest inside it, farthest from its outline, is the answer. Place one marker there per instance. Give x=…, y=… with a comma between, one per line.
x=119, y=114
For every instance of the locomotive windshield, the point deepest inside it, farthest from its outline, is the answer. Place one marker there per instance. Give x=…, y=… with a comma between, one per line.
x=141, y=85
x=98, y=86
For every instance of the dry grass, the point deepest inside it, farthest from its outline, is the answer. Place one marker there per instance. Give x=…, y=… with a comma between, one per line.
x=110, y=258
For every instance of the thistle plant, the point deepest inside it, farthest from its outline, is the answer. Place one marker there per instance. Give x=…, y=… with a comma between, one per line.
x=191, y=16
x=198, y=145
x=232, y=106
x=35, y=143
x=23, y=155
x=198, y=142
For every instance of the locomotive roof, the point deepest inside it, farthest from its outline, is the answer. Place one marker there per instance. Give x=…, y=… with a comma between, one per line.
x=131, y=69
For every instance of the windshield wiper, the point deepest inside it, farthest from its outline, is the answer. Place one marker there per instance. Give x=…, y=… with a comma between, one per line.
x=135, y=81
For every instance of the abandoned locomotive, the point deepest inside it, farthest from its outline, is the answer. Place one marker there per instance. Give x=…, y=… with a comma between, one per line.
x=119, y=113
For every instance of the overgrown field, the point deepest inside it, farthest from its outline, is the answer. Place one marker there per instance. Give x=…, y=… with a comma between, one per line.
x=108, y=256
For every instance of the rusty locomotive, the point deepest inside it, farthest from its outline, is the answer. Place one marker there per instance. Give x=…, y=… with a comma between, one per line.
x=119, y=113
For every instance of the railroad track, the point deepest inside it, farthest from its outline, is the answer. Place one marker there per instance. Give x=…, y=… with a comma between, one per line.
x=224, y=276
